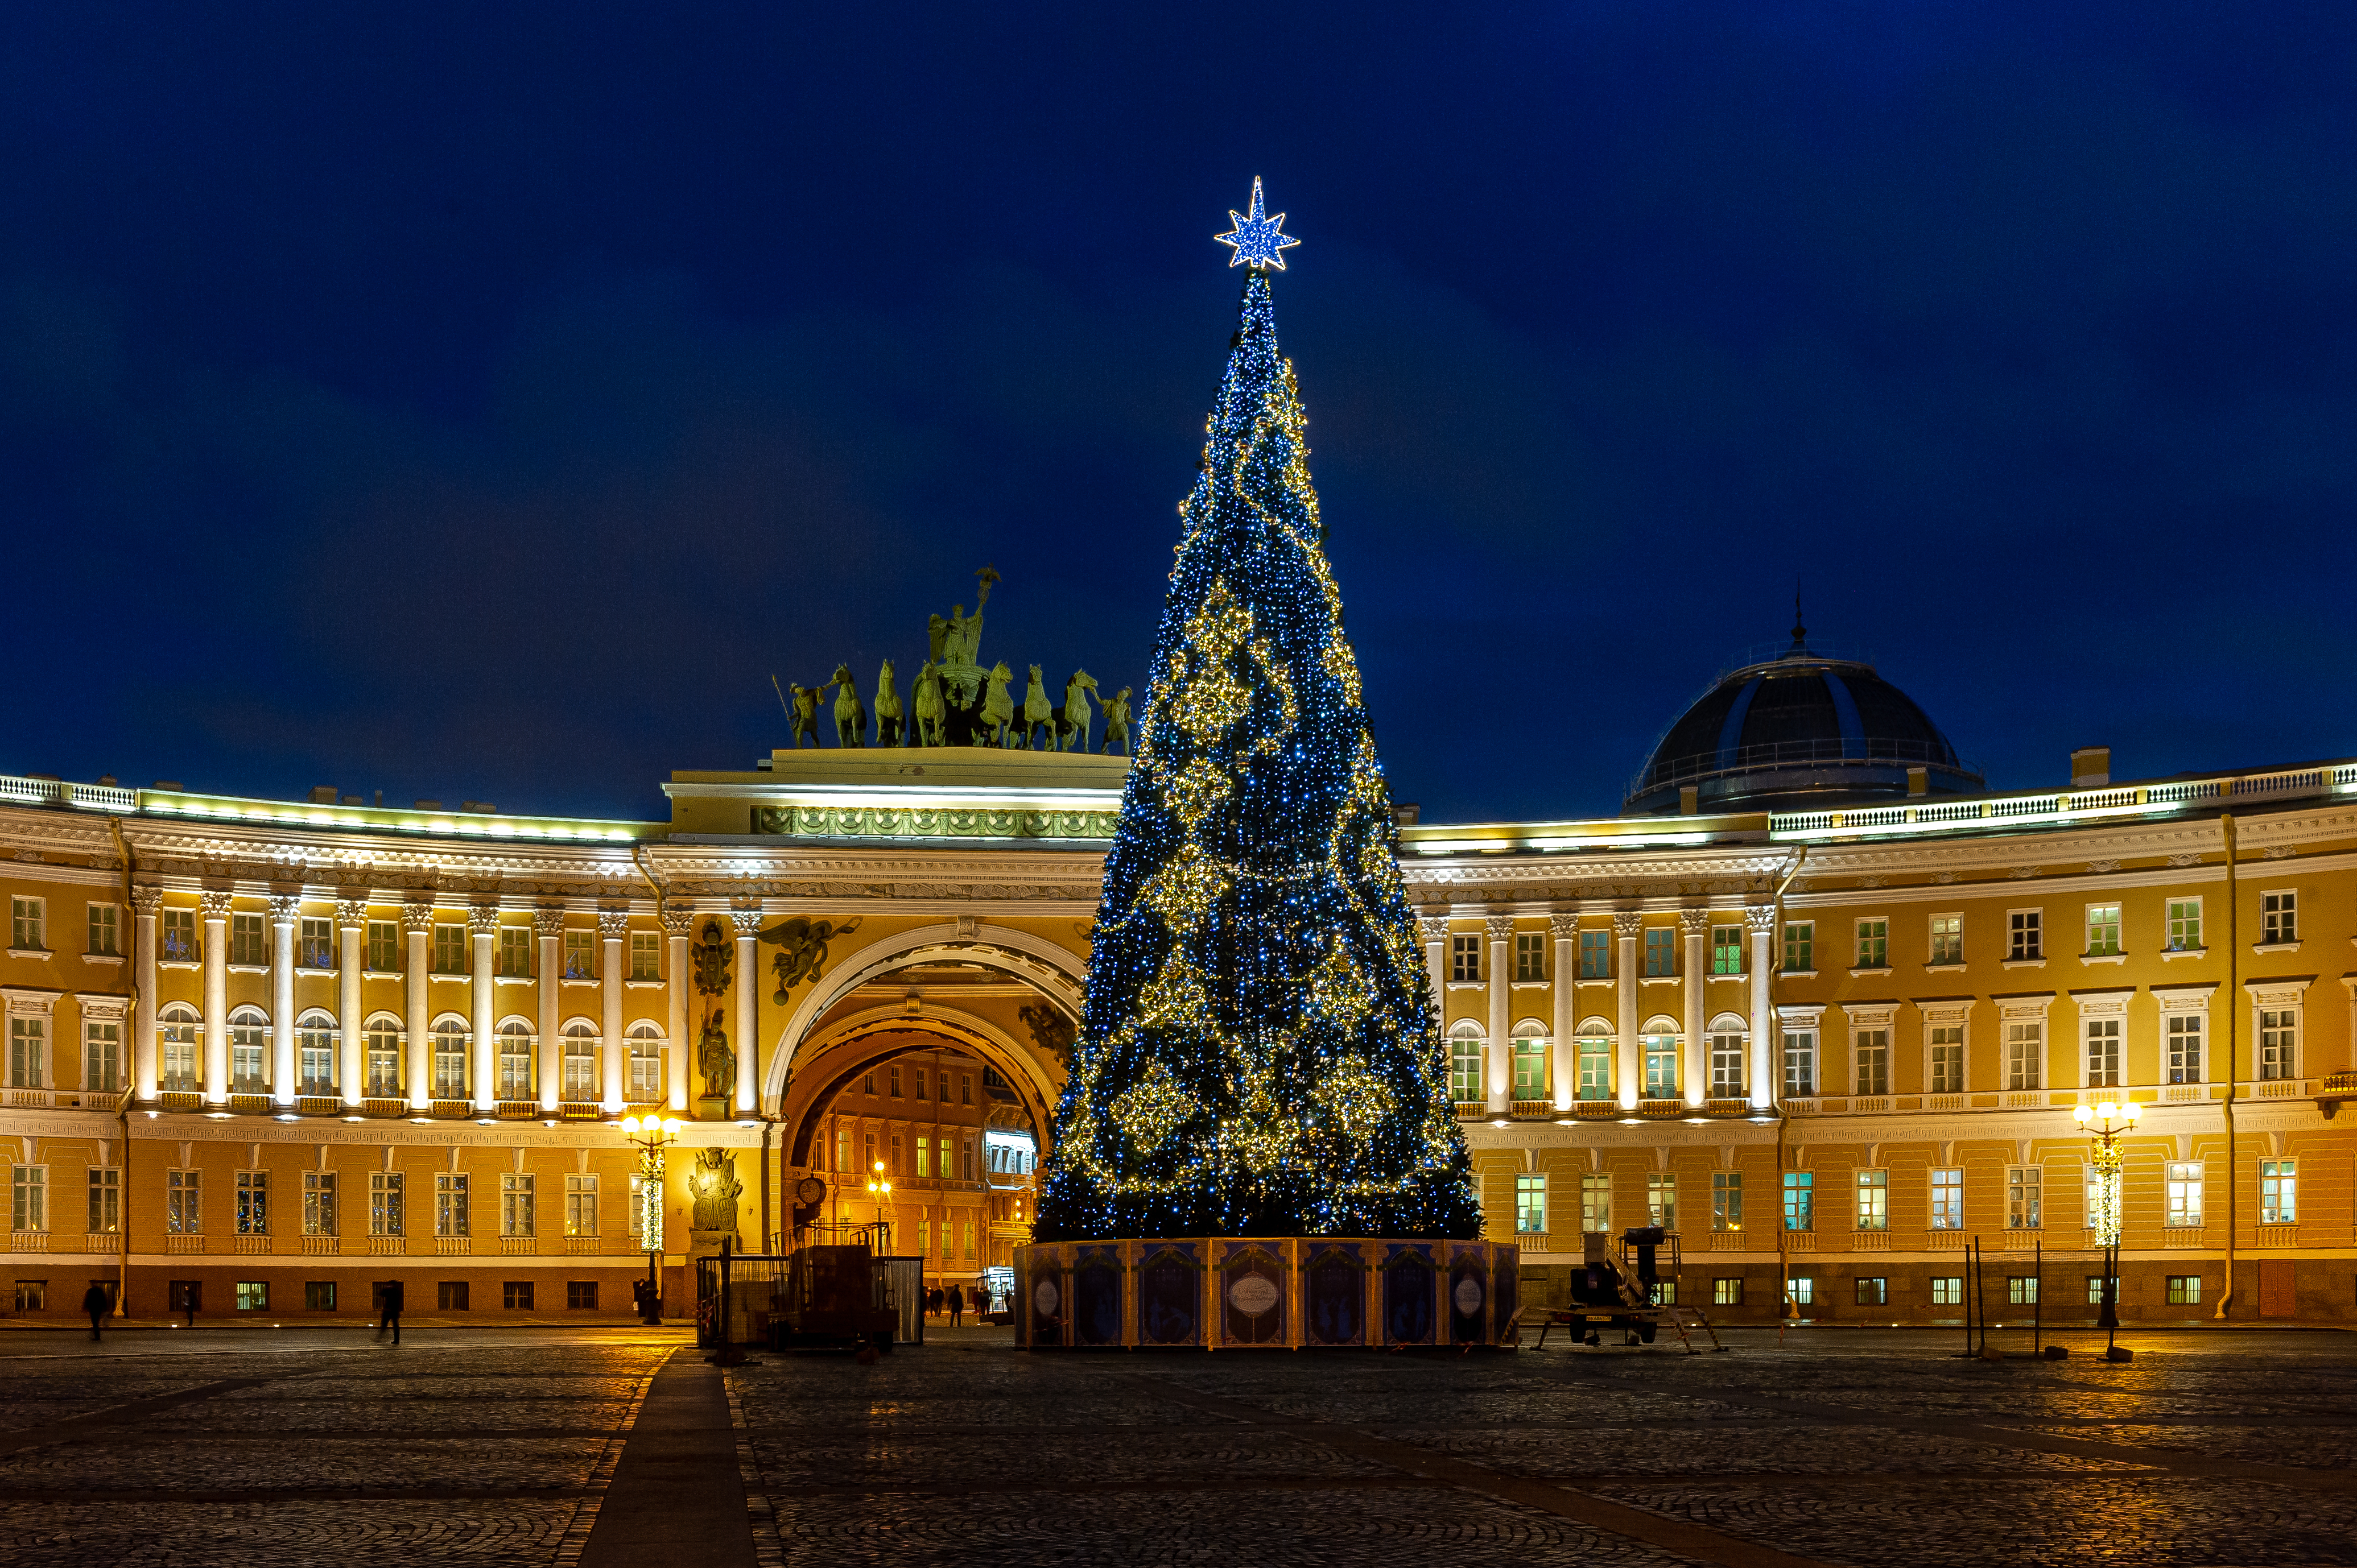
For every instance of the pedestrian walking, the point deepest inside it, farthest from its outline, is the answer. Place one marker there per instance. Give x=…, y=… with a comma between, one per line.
x=390, y=1304
x=94, y=1302
x=957, y=1306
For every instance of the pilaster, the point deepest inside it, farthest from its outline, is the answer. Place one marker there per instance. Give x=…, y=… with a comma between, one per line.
x=145, y=903
x=282, y=913
x=418, y=930
x=1628, y=1065
x=613, y=928
x=351, y=960
x=548, y=927
x=1695, y=1069
x=215, y=906
x=747, y=922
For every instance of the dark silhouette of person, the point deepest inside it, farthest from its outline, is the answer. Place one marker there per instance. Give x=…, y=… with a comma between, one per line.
x=390, y=1304
x=957, y=1306
x=95, y=1303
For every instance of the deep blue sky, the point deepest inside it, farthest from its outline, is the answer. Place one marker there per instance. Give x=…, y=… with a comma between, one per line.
x=483, y=401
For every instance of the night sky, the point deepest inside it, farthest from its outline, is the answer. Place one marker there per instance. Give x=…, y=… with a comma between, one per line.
x=482, y=401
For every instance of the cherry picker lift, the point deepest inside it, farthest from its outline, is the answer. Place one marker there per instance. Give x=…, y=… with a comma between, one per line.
x=1623, y=1290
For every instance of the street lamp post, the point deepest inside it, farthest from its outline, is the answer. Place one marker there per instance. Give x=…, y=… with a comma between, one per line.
x=2107, y=1122
x=651, y=1135
x=881, y=1191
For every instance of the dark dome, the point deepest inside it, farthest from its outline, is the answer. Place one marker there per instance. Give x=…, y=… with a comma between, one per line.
x=1797, y=732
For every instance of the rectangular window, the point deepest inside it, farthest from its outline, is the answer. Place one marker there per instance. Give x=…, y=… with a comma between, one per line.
x=1873, y=1289
x=2278, y=1192
x=183, y=1206
x=1661, y=1200
x=2095, y=1290
x=105, y=935
x=1530, y=957
x=2279, y=1042
x=581, y=1206
x=450, y=1296
x=2102, y=1053
x=1596, y=1201
x=646, y=955
x=2025, y=1199
x=924, y=1158
x=1947, y=1198
x=451, y=949
x=2025, y=934
x=1727, y=950
x=381, y=1043
x=921, y=1082
x=105, y=1200
x=2025, y=1051
x=1530, y=1069
x=1799, y=946
x=2021, y=1290
x=102, y=1055
x=388, y=1214
x=1947, y=1290
x=1665, y=1292
x=1726, y=1065
x=319, y=1203
x=1595, y=955
x=1464, y=959
x=1727, y=1200
x=515, y=951
x=893, y=1077
x=254, y=1203
x=176, y=937
x=1660, y=1066
x=249, y=940
x=2183, y=1046
x=968, y=1234
x=319, y=1295
x=1873, y=1062
x=515, y=1204
x=1874, y=1200
x=1873, y=944
x=1726, y=1292
x=2184, y=1188
x=580, y=955
x=1661, y=950
x=581, y=1296
x=315, y=944
x=1947, y=1058
x=253, y=1296
x=1799, y=1064
x=25, y=924
x=1800, y=1200
x=450, y=1204
x=28, y=1052
x=516, y=1294
x=2102, y=931
x=1465, y=1070
x=28, y=1195
x=2184, y=925
x=1595, y=1067
x=2279, y=916
x=383, y=946
x=1947, y=939
x=2184, y=1290
x=1802, y=1290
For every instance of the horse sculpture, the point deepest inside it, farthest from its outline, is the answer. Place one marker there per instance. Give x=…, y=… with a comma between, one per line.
x=1038, y=713
x=930, y=707
x=850, y=712
x=805, y=716
x=1117, y=721
x=998, y=707
x=889, y=717
x=1077, y=716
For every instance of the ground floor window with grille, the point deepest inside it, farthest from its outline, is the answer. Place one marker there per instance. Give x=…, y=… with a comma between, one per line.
x=450, y=1204
x=1595, y=1202
x=254, y=1203
x=516, y=1295
x=1665, y=1292
x=29, y=1198
x=319, y=1295
x=1727, y=1200
x=2021, y=1290
x=1947, y=1290
x=1873, y=1289
x=2184, y=1188
x=581, y=1296
x=1661, y=1200
x=515, y=1204
x=2095, y=1290
x=2184, y=1290
x=105, y=1200
x=1874, y=1200
x=319, y=1203
x=1726, y=1292
x=1947, y=1198
x=450, y=1296
x=183, y=1210
x=581, y=1206
x=32, y=1295
x=388, y=1214
x=1803, y=1290
x=2278, y=1192
x=253, y=1296
x=1800, y=1200
x=2024, y=1198
x=1530, y=1205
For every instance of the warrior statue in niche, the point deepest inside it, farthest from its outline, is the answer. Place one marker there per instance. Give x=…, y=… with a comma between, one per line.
x=714, y=1060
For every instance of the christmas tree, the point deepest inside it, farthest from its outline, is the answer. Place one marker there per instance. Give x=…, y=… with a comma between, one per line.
x=1259, y=1055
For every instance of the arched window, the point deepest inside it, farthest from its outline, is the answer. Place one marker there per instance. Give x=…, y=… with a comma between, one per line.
x=316, y=1037
x=580, y=1061
x=1530, y=1061
x=176, y=1039
x=645, y=1064
x=1728, y=1038
x=381, y=1042
x=451, y=1039
x=1659, y=1040
x=516, y=1042
x=1466, y=1049
x=249, y=1051
x=1593, y=1040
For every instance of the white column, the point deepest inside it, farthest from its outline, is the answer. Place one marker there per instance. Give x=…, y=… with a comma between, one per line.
x=484, y=934
x=417, y=928
x=550, y=926
x=1501, y=930
x=216, y=910
x=282, y=998
x=143, y=903
x=352, y=957
x=748, y=1006
x=1695, y=1069
x=1765, y=1041
x=676, y=923
x=1630, y=1065
x=613, y=926
x=1563, y=1065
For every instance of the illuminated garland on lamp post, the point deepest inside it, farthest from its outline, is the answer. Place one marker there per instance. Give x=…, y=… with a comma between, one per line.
x=2108, y=1122
x=651, y=1136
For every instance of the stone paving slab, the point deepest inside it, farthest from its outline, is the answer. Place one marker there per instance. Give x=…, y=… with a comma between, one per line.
x=282, y=1534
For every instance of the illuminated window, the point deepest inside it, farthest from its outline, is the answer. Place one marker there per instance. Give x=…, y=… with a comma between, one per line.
x=1530, y=1205
x=316, y=1037
x=319, y=1203
x=1727, y=950
x=2021, y=1290
x=1947, y=1290
x=105, y=1200
x=1661, y=950
x=1800, y=1200
x=1873, y=1289
x=1874, y=1200
x=1873, y=944
x=183, y=1203
x=580, y=955
x=382, y=1043
x=580, y=1061
x=1802, y=1290
x=1661, y=1200
x=388, y=1204
x=1726, y=1291
x=1727, y=1051
x=254, y=1203
x=2183, y=1033
x=2182, y=1184
x=2025, y=1199
x=176, y=937
x=2102, y=931
x=1465, y=1053
x=176, y=1048
x=1529, y=1066
x=645, y=1064
x=581, y=1204
x=2184, y=925
x=249, y=1051
x=1947, y=1198
x=1596, y=1201
x=2184, y=1290
x=1727, y=1200
x=516, y=1204
x=28, y=1192
x=1595, y=955
x=1595, y=1047
x=1947, y=939
x=450, y=1215
x=451, y=1038
x=2279, y=1042
x=1799, y=1064
x=1661, y=1063
x=2278, y=1192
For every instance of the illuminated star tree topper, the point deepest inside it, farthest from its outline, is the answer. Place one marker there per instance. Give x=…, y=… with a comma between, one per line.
x=1257, y=237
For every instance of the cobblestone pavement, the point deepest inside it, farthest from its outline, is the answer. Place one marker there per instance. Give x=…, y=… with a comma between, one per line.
x=1834, y=1448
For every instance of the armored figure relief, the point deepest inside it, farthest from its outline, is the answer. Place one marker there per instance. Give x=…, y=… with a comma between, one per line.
x=715, y=1189
x=714, y=1060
